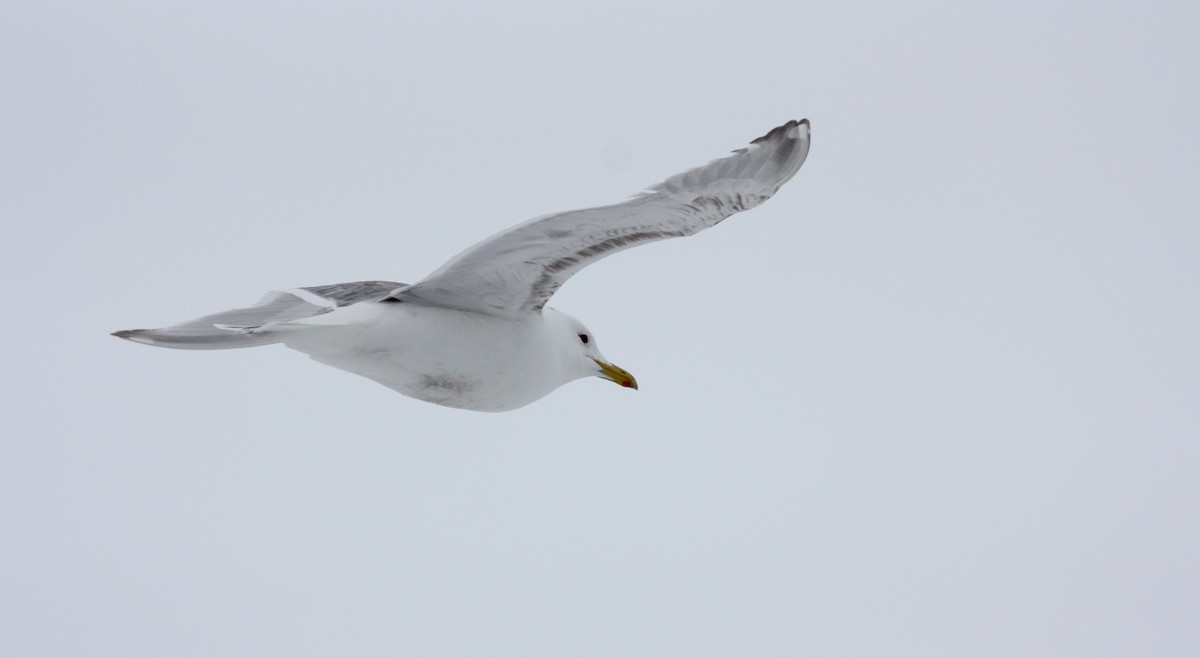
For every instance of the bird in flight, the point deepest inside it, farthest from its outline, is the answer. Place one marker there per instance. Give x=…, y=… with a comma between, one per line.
x=476, y=333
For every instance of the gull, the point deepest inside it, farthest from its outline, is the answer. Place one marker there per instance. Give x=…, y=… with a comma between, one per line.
x=476, y=333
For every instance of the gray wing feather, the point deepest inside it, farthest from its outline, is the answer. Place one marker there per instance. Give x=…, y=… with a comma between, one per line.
x=236, y=327
x=342, y=294
x=518, y=270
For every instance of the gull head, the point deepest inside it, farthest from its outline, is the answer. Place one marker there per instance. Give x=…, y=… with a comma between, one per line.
x=580, y=351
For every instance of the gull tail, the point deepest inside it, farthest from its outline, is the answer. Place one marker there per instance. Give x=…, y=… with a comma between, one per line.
x=262, y=323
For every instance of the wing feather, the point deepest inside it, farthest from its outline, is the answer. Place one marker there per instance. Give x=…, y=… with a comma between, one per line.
x=517, y=270
x=238, y=327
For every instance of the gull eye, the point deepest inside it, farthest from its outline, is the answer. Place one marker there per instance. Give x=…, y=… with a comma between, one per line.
x=584, y=338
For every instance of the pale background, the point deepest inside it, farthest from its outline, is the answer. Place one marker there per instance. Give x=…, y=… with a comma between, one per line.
x=939, y=397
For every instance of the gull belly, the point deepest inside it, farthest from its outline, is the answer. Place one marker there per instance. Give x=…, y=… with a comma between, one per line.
x=450, y=357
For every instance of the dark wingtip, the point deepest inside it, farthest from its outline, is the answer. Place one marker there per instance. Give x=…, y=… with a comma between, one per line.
x=775, y=132
x=127, y=334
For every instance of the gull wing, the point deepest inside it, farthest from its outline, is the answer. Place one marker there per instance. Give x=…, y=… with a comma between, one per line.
x=517, y=270
x=239, y=327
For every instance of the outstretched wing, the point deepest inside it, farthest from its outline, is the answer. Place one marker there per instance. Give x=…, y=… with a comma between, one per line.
x=233, y=328
x=516, y=271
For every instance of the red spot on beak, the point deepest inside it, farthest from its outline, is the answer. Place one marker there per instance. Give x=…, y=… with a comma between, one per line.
x=627, y=384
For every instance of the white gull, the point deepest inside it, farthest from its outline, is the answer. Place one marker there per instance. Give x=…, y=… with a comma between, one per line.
x=477, y=334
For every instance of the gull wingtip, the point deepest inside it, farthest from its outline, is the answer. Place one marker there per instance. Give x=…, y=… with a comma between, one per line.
x=791, y=129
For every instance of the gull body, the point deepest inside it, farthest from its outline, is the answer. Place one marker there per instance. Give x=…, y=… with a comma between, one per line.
x=486, y=363
x=476, y=333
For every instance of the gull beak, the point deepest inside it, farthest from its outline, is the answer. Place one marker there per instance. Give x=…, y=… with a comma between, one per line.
x=614, y=374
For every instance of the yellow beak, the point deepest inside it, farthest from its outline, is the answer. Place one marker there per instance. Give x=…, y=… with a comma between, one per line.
x=614, y=374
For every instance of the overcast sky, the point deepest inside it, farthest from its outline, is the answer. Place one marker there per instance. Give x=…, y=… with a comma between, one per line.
x=939, y=397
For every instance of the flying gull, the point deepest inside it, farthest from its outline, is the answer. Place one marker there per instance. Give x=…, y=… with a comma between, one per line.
x=477, y=334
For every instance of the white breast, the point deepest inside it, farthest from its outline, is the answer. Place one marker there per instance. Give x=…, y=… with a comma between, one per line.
x=449, y=357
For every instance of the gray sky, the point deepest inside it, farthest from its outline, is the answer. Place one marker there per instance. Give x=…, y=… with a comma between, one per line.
x=939, y=397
